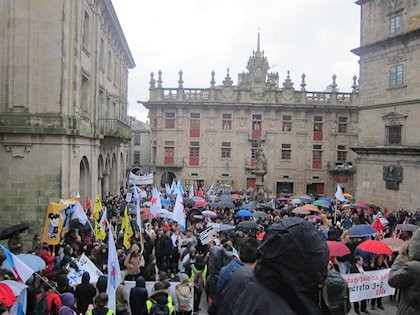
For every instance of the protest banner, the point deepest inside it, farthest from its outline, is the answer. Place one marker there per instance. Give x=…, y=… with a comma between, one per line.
x=208, y=235
x=128, y=197
x=53, y=223
x=146, y=179
x=84, y=264
x=368, y=285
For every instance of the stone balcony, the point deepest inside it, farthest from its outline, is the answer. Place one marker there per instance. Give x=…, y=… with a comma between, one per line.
x=112, y=127
x=341, y=167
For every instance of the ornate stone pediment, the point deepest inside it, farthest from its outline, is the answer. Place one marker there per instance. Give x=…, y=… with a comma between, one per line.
x=394, y=118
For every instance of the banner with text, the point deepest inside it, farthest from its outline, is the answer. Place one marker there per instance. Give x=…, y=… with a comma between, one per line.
x=368, y=285
x=208, y=235
x=146, y=179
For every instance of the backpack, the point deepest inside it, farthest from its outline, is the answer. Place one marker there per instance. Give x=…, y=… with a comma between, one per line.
x=41, y=306
x=184, y=302
x=199, y=280
x=158, y=309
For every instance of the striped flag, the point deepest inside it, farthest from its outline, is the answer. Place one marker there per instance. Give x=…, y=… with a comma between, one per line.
x=20, y=270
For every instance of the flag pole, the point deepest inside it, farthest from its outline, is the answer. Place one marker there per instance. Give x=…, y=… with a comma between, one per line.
x=42, y=278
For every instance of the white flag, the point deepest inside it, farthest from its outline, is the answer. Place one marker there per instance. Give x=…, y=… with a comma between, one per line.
x=191, y=192
x=114, y=273
x=339, y=194
x=156, y=206
x=173, y=187
x=168, y=189
x=210, y=191
x=179, y=215
x=80, y=214
x=180, y=188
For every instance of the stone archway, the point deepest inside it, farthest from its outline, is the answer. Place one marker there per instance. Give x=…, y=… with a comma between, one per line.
x=84, y=180
x=167, y=178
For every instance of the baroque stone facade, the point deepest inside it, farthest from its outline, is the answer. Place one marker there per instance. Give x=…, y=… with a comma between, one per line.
x=63, y=104
x=389, y=104
x=140, y=147
x=212, y=134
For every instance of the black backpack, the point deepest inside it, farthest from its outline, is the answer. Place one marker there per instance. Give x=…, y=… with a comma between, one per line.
x=158, y=309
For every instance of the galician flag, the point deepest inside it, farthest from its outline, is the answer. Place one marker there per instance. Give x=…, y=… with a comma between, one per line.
x=138, y=217
x=180, y=188
x=339, y=194
x=173, y=187
x=114, y=273
x=210, y=190
x=168, y=189
x=156, y=206
x=191, y=192
x=179, y=214
x=20, y=270
x=97, y=208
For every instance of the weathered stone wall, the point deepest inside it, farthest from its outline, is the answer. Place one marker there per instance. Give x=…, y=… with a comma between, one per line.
x=371, y=186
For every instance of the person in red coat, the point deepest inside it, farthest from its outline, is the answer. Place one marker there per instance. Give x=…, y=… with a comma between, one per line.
x=48, y=257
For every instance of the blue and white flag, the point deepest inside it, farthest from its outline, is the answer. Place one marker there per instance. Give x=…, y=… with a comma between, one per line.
x=114, y=273
x=191, y=192
x=20, y=270
x=179, y=214
x=79, y=214
x=210, y=190
x=180, y=188
x=173, y=187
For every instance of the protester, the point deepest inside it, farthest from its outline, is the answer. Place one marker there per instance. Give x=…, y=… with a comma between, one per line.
x=357, y=267
x=184, y=296
x=275, y=285
x=67, y=304
x=138, y=296
x=159, y=301
x=100, y=308
x=121, y=300
x=335, y=293
x=378, y=264
x=133, y=262
x=85, y=293
x=405, y=276
x=198, y=280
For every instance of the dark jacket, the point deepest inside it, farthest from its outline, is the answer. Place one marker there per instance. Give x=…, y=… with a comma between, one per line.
x=102, y=284
x=218, y=258
x=166, y=246
x=336, y=293
x=226, y=273
x=251, y=299
x=138, y=296
x=85, y=292
x=405, y=275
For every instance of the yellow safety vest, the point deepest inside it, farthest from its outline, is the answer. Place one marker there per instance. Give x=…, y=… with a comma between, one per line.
x=150, y=302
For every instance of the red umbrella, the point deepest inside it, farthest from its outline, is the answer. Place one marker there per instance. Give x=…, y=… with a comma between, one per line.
x=200, y=204
x=376, y=247
x=338, y=249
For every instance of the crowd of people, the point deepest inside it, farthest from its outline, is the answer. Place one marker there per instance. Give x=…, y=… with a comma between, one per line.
x=280, y=264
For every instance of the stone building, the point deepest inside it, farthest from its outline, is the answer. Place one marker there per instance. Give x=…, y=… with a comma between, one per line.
x=140, y=147
x=63, y=104
x=212, y=134
x=388, y=151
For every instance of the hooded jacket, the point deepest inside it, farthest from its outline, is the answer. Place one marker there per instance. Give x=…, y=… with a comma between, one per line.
x=138, y=296
x=405, y=275
x=85, y=292
x=67, y=304
x=102, y=284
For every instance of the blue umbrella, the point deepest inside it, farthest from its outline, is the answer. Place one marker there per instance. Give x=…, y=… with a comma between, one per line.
x=322, y=202
x=326, y=198
x=249, y=206
x=362, y=230
x=244, y=213
x=36, y=263
x=225, y=198
x=297, y=201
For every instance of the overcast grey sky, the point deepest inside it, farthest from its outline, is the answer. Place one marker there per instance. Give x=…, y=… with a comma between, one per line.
x=304, y=36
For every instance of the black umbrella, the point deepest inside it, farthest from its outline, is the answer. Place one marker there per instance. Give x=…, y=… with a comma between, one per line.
x=8, y=232
x=222, y=205
x=75, y=224
x=406, y=227
x=248, y=225
x=191, y=215
x=188, y=202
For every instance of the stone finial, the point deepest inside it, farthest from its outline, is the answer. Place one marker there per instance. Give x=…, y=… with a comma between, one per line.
x=258, y=41
x=355, y=87
x=288, y=84
x=152, y=81
x=159, y=80
x=228, y=80
x=180, y=81
x=334, y=84
x=303, y=84
x=212, y=81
